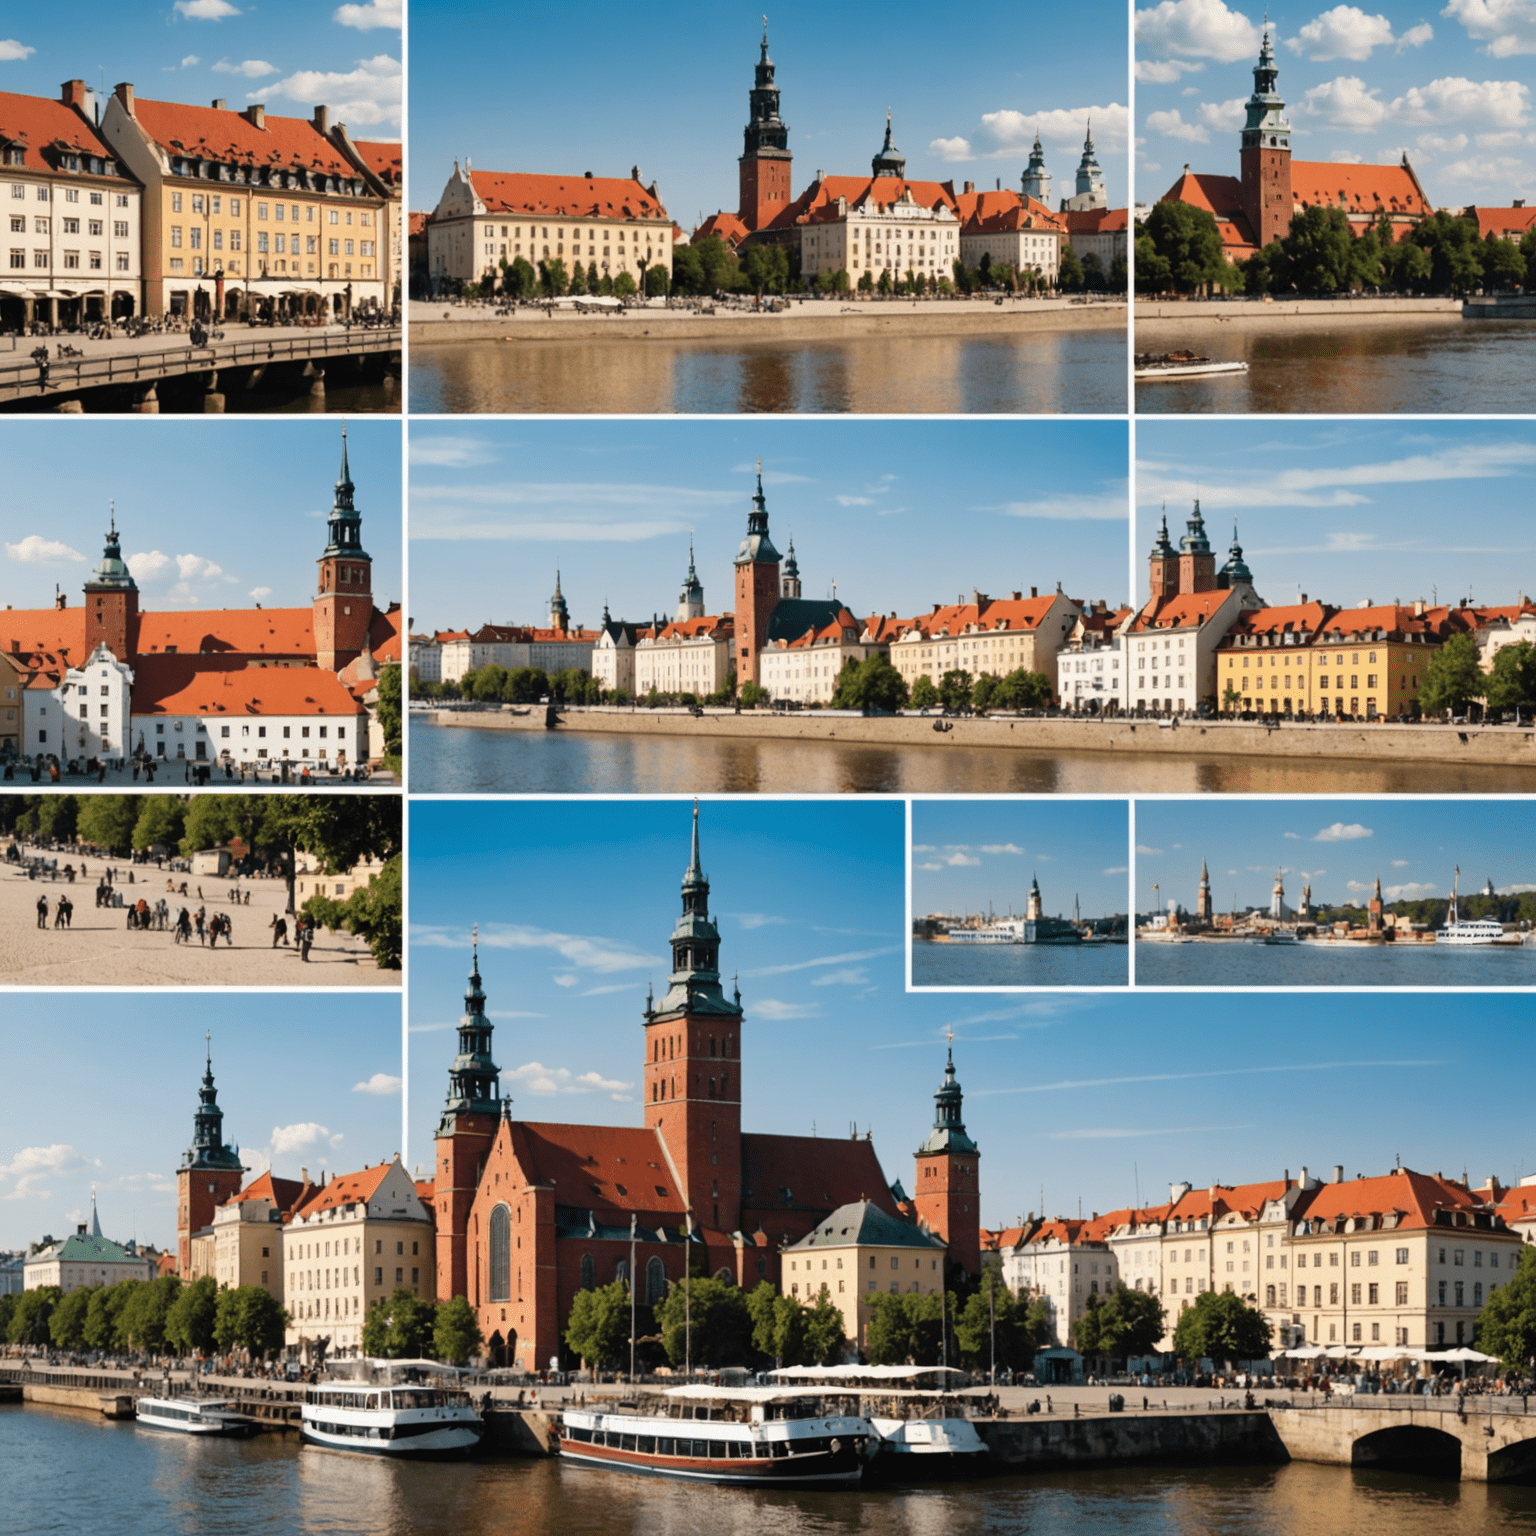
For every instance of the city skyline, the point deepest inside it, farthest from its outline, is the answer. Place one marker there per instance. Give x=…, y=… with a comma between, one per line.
x=290, y=56
x=341, y=1112
x=682, y=122
x=1340, y=847
x=872, y=507
x=1346, y=511
x=969, y=855
x=1361, y=85
x=226, y=514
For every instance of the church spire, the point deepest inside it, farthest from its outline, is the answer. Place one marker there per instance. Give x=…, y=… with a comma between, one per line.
x=890, y=161
x=208, y=1149
x=345, y=524
x=694, y=987
x=948, y=1133
x=474, y=1080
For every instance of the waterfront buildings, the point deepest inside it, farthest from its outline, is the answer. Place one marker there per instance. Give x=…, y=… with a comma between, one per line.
x=996, y=635
x=1257, y=206
x=487, y=220
x=1061, y=1262
x=247, y=1232
x=1091, y=675
x=555, y=648
x=73, y=214
x=84, y=1258
x=249, y=214
x=805, y=670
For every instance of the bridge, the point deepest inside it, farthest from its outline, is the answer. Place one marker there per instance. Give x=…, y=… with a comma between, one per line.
x=1491, y=1440
x=126, y=376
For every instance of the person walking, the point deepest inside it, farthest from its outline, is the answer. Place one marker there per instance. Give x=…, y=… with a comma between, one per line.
x=202, y=931
x=42, y=911
x=306, y=938
x=279, y=931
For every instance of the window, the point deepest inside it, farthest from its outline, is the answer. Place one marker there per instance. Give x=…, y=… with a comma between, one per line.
x=588, y=1272
x=1402, y=1293
x=1402, y=1255
x=501, y=1254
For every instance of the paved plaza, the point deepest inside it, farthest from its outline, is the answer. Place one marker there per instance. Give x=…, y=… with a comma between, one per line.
x=99, y=949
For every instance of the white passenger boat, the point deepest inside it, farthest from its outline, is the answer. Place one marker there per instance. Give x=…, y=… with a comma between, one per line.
x=391, y=1417
x=1181, y=365
x=193, y=1415
x=1459, y=930
x=989, y=935
x=1281, y=936
x=925, y=1430
x=744, y=1436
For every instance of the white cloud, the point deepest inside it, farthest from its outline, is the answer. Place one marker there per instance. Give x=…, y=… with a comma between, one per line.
x=1499, y=170
x=300, y=1137
x=1110, y=507
x=961, y=860
x=32, y=1166
x=773, y=1008
x=1438, y=144
x=1416, y=37
x=251, y=69
x=1001, y=848
x=1399, y=863
x=1008, y=133
x=758, y=920
x=1118, y=869
x=259, y=594
x=374, y=13
x=1223, y=116
x=933, y=864
x=380, y=1084
x=849, y=976
x=1164, y=71
x=951, y=149
x=1205, y=29
x=1346, y=157
x=362, y=97
x=196, y=568
x=1507, y=27
x=36, y=550
x=1345, y=102
x=149, y=565
x=1345, y=32
x=1410, y=892
x=10, y=49
x=450, y=452
x=1342, y=832
x=589, y=952
x=190, y=60
x=924, y=848
x=854, y=501
x=1454, y=98
x=1172, y=124
x=206, y=10
x=1142, y=848
x=539, y=1079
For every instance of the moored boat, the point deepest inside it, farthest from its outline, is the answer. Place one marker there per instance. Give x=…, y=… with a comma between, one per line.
x=413, y=1417
x=1460, y=930
x=1181, y=365
x=193, y=1416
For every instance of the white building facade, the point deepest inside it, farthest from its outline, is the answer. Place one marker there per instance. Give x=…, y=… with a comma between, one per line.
x=691, y=656
x=897, y=237
x=94, y=707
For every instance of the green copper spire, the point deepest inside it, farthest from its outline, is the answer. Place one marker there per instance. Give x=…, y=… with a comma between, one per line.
x=948, y=1133
x=694, y=986
x=113, y=571
x=474, y=1080
x=345, y=524
x=208, y=1149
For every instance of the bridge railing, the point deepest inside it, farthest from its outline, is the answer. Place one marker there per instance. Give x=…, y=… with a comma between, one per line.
x=1473, y=1405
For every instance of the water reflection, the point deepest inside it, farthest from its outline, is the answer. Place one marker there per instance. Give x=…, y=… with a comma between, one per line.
x=1441, y=364
x=1034, y=373
x=466, y=760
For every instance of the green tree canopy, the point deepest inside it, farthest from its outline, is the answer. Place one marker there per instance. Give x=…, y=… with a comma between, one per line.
x=251, y=1318
x=1512, y=681
x=189, y=1323
x=1455, y=253
x=108, y=821
x=389, y=710
x=598, y=1329
x=994, y=1310
x=456, y=1331
x=1507, y=1326
x=1124, y=1323
x=399, y=1327
x=66, y=1325
x=1222, y=1327
x=955, y=689
x=924, y=694
x=32, y=1315
x=162, y=819
x=721, y=1323
x=870, y=684
x=908, y=1329
x=1187, y=239
x=103, y=1318
x=1453, y=677
x=144, y=1316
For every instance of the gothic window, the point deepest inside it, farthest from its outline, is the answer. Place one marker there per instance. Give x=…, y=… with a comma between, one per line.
x=588, y=1273
x=621, y=1270
x=501, y=1254
x=655, y=1282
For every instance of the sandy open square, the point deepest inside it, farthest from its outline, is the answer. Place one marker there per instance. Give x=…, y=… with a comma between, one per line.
x=99, y=949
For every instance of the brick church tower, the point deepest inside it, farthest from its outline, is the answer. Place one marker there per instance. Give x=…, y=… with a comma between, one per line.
x=464, y=1135
x=1203, y=896
x=1266, y=154
x=1163, y=573
x=948, y=1195
x=765, y=164
x=343, y=606
x=757, y=587
x=209, y=1174
x=1197, y=562
x=693, y=1062
x=112, y=602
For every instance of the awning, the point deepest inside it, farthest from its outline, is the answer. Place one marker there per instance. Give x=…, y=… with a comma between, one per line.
x=16, y=291
x=1471, y=1356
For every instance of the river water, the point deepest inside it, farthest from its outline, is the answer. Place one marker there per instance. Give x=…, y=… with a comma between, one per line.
x=1230, y=964
x=1020, y=965
x=65, y=1472
x=1033, y=373
x=465, y=760
x=1444, y=367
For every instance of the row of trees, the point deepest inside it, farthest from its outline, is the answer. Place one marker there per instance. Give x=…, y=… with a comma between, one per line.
x=1179, y=248
x=409, y=1327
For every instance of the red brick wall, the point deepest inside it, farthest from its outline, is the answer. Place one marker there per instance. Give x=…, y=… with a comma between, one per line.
x=948, y=1199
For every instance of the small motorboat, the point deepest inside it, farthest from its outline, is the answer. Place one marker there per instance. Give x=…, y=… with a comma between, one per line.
x=1181, y=365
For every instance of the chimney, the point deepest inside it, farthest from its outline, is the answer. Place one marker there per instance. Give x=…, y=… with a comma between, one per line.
x=322, y=120
x=999, y=183
x=220, y=104
x=124, y=93
x=1418, y=608
x=72, y=94
x=1034, y=592
x=1013, y=597
x=61, y=601
x=1338, y=1173
x=634, y=173
x=256, y=115
x=80, y=1228
x=1303, y=599
x=970, y=186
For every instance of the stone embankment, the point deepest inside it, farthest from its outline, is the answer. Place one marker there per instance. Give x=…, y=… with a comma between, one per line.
x=1497, y=746
x=1342, y=311
x=1038, y=1444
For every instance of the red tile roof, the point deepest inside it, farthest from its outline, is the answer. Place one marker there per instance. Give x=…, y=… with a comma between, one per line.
x=417, y=224
x=1222, y=198
x=565, y=197
x=212, y=133
x=983, y=212
x=1392, y=621
x=808, y=1173
x=843, y=628
x=384, y=634
x=1361, y=190
x=1184, y=611
x=345, y=1189
x=720, y=626
x=819, y=200
x=721, y=226
x=1013, y=614
x=263, y=632
x=610, y=1170
x=385, y=160
x=215, y=687
x=35, y=123
x=1502, y=223
x=1298, y=619
x=283, y=1193
x=1416, y=1196
x=1096, y=221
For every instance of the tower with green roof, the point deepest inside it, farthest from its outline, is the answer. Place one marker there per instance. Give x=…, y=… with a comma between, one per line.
x=948, y=1194
x=210, y=1170
x=112, y=601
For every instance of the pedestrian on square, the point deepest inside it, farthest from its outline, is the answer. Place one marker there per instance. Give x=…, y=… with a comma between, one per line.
x=279, y=932
x=306, y=938
x=202, y=931
x=42, y=911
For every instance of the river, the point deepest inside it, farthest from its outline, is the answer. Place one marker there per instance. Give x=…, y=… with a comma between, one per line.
x=1364, y=367
x=70, y=1472
x=464, y=760
x=1030, y=373
x=1020, y=965
x=1227, y=963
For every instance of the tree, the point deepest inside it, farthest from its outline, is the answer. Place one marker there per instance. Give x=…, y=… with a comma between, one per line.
x=753, y=694
x=578, y=279
x=656, y=281
x=490, y=683
x=866, y=282
x=1455, y=252
x=1006, y=1318
x=374, y=912
x=389, y=711
x=1512, y=682
x=1154, y=272
x=144, y=1316
x=1507, y=1326
x=58, y=817
x=1125, y=1323
x=825, y=1341
x=249, y=1318
x=1069, y=271
x=519, y=280
x=598, y=1329
x=32, y=1314
x=721, y=1323
x=624, y=286
x=1503, y=264
x=552, y=274
x=765, y=268
x=1231, y=698
x=104, y=1314
x=1221, y=1326
x=1119, y=273
x=1452, y=678
x=1318, y=250
x=108, y=821
x=924, y=694
x=908, y=1329
x=1022, y=689
x=1187, y=239
x=955, y=689
x=456, y=1332
x=870, y=684
x=189, y=1323
x=399, y=1327
x=7, y=1311
x=66, y=1324
x=161, y=820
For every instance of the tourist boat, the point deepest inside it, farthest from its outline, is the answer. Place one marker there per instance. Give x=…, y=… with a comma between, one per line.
x=1181, y=365
x=193, y=1415
x=993, y=934
x=925, y=1430
x=744, y=1436
x=1281, y=936
x=414, y=1417
x=1458, y=930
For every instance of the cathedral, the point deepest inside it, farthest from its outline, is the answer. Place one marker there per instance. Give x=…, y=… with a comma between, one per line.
x=529, y=1213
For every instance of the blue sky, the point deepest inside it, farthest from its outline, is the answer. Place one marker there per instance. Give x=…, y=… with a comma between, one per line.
x=669, y=92
x=302, y=1080
x=969, y=853
x=1350, y=510
x=212, y=514
x=1341, y=846
x=1449, y=86
x=1075, y=1092
x=291, y=55
x=901, y=515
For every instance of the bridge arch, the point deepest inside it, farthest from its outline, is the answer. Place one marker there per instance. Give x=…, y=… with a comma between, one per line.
x=1417, y=1448
x=1514, y=1463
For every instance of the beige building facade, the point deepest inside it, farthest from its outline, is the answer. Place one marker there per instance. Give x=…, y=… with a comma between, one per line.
x=996, y=635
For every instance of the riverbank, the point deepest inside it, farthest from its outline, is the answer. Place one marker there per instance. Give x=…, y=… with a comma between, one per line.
x=433, y=326
x=1503, y=746
x=1341, y=311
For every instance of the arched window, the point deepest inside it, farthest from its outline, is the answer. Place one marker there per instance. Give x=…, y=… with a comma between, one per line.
x=724, y=1276
x=621, y=1270
x=655, y=1282
x=501, y=1254
x=588, y=1273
